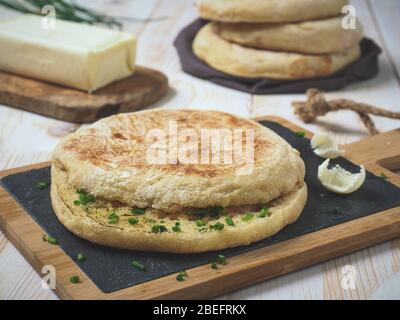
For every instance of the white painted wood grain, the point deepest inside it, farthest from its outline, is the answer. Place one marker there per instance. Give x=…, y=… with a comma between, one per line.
x=28, y=138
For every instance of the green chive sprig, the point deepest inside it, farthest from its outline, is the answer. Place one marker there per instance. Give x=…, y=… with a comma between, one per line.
x=42, y=185
x=138, y=265
x=74, y=279
x=182, y=275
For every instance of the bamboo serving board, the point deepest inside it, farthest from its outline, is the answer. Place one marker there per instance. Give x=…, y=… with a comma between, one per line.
x=135, y=92
x=378, y=154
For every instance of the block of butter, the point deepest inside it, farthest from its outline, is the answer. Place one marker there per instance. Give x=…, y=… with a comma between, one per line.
x=73, y=54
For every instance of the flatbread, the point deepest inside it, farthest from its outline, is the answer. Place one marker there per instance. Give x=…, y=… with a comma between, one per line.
x=237, y=60
x=109, y=160
x=316, y=37
x=254, y=11
x=91, y=222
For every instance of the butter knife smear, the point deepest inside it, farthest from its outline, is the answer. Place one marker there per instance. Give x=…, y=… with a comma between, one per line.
x=339, y=180
x=71, y=54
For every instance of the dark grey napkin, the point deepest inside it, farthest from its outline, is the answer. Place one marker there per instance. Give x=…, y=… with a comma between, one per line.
x=364, y=68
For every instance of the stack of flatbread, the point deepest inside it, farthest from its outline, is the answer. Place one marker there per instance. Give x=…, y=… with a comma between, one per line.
x=278, y=39
x=105, y=188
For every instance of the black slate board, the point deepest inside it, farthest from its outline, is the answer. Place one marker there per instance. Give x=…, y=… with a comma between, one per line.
x=366, y=67
x=111, y=270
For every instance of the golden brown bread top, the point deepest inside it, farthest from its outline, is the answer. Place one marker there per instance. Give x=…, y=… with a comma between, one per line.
x=109, y=160
x=123, y=143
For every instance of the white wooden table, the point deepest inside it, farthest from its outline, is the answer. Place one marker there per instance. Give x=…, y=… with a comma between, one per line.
x=27, y=138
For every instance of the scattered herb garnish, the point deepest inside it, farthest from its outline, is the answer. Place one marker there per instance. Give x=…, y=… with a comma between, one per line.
x=229, y=222
x=248, y=216
x=158, y=228
x=138, y=266
x=138, y=210
x=42, y=185
x=214, y=265
x=384, y=176
x=221, y=259
x=84, y=198
x=52, y=240
x=182, y=275
x=80, y=257
x=177, y=227
x=133, y=220
x=74, y=279
x=200, y=223
x=300, y=134
x=113, y=218
x=217, y=226
x=264, y=212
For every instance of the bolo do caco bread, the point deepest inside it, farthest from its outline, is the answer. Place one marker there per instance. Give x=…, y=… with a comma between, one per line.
x=106, y=190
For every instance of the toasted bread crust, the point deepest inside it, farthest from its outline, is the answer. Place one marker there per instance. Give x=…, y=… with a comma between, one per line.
x=247, y=62
x=108, y=159
x=274, y=11
x=92, y=224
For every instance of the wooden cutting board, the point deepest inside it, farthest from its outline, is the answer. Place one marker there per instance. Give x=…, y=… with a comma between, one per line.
x=377, y=154
x=143, y=88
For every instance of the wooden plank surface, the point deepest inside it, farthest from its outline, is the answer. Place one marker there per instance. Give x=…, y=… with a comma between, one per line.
x=28, y=138
x=146, y=86
x=242, y=270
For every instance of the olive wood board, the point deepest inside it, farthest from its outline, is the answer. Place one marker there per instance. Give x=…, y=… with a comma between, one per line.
x=242, y=270
x=145, y=87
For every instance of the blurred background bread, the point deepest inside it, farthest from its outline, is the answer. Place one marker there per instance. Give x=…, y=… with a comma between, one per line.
x=255, y=11
x=277, y=39
x=317, y=36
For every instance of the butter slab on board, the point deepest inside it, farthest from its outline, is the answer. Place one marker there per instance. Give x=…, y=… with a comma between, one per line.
x=72, y=54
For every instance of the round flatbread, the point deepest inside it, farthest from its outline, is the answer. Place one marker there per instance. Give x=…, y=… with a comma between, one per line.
x=113, y=224
x=247, y=62
x=110, y=160
x=254, y=11
x=316, y=37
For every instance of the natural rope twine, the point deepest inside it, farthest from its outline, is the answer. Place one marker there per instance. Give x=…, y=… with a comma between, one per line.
x=316, y=105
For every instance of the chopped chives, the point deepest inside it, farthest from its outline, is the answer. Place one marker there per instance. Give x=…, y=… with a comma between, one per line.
x=214, y=265
x=113, y=218
x=138, y=266
x=138, y=210
x=182, y=276
x=300, y=134
x=80, y=257
x=221, y=259
x=217, y=226
x=248, y=216
x=229, y=222
x=74, y=279
x=158, y=228
x=42, y=185
x=200, y=223
x=133, y=220
x=264, y=212
x=177, y=227
x=52, y=240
